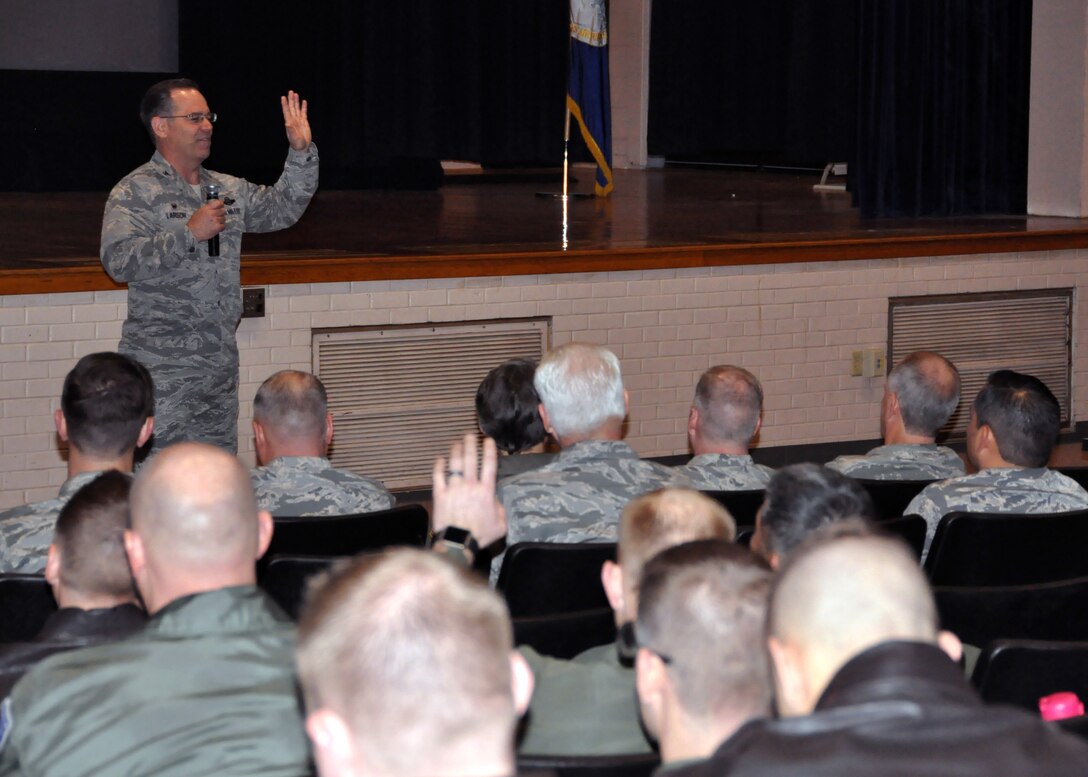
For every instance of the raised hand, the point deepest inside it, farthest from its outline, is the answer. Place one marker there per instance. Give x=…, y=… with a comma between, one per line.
x=467, y=500
x=296, y=121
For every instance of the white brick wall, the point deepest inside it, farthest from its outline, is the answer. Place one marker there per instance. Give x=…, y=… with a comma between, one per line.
x=793, y=325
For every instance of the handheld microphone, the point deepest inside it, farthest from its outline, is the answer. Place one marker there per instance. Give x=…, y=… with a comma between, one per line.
x=211, y=192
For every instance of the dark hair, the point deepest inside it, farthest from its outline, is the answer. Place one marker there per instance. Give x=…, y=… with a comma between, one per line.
x=90, y=537
x=1023, y=414
x=507, y=406
x=803, y=497
x=157, y=100
x=105, y=401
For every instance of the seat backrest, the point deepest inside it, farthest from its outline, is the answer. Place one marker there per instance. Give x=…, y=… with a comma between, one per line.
x=742, y=505
x=637, y=765
x=346, y=535
x=891, y=497
x=285, y=578
x=567, y=634
x=909, y=528
x=546, y=578
x=1021, y=672
x=1008, y=549
x=26, y=601
x=1042, y=611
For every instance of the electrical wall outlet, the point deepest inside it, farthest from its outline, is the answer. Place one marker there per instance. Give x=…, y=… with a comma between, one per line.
x=868, y=363
x=253, y=302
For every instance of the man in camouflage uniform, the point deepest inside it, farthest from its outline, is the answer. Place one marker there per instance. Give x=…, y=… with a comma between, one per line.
x=1014, y=427
x=208, y=687
x=724, y=417
x=104, y=416
x=183, y=304
x=920, y=395
x=292, y=429
x=579, y=496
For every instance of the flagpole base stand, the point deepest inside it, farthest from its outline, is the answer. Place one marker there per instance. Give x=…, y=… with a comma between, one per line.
x=568, y=196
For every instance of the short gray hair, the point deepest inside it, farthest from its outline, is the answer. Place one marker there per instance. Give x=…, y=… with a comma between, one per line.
x=292, y=404
x=928, y=387
x=581, y=388
x=729, y=400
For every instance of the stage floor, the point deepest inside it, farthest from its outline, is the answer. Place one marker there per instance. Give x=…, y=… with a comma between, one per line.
x=714, y=212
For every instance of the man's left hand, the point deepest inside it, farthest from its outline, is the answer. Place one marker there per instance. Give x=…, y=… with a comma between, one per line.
x=466, y=499
x=296, y=122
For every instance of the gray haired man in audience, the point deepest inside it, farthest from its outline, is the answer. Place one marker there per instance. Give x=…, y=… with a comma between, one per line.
x=292, y=430
x=1014, y=426
x=408, y=670
x=579, y=496
x=702, y=672
x=868, y=685
x=105, y=414
x=801, y=499
x=725, y=416
x=208, y=687
x=920, y=395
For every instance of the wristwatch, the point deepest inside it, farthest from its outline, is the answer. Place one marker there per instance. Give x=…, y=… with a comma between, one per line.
x=458, y=544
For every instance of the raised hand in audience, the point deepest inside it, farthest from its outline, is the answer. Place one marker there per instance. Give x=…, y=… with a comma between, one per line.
x=466, y=498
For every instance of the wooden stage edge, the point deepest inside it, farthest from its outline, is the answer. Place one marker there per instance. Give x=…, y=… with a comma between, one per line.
x=260, y=269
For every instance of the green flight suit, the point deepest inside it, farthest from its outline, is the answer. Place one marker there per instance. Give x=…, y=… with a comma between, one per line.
x=208, y=688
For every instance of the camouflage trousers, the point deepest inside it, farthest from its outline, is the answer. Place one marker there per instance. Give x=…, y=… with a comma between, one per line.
x=195, y=404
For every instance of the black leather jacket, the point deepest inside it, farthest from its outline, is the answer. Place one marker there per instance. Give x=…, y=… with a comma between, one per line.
x=67, y=629
x=900, y=709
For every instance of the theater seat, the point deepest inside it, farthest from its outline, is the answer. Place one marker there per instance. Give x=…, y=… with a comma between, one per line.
x=909, y=528
x=1021, y=672
x=285, y=579
x=742, y=505
x=639, y=765
x=891, y=497
x=346, y=535
x=1042, y=611
x=548, y=578
x=26, y=601
x=989, y=549
x=567, y=634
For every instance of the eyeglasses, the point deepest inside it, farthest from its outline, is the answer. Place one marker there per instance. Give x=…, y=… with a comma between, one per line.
x=195, y=118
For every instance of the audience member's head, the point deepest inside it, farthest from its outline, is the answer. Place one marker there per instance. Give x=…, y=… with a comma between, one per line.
x=725, y=414
x=800, y=499
x=581, y=393
x=87, y=567
x=648, y=525
x=407, y=668
x=106, y=409
x=920, y=396
x=845, y=591
x=1014, y=422
x=291, y=417
x=702, y=668
x=508, y=407
x=195, y=524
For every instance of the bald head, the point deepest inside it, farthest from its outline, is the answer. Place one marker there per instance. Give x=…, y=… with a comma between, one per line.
x=728, y=402
x=194, y=510
x=928, y=388
x=291, y=417
x=840, y=596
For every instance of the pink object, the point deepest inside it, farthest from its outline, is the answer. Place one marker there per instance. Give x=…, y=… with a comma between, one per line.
x=1061, y=705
